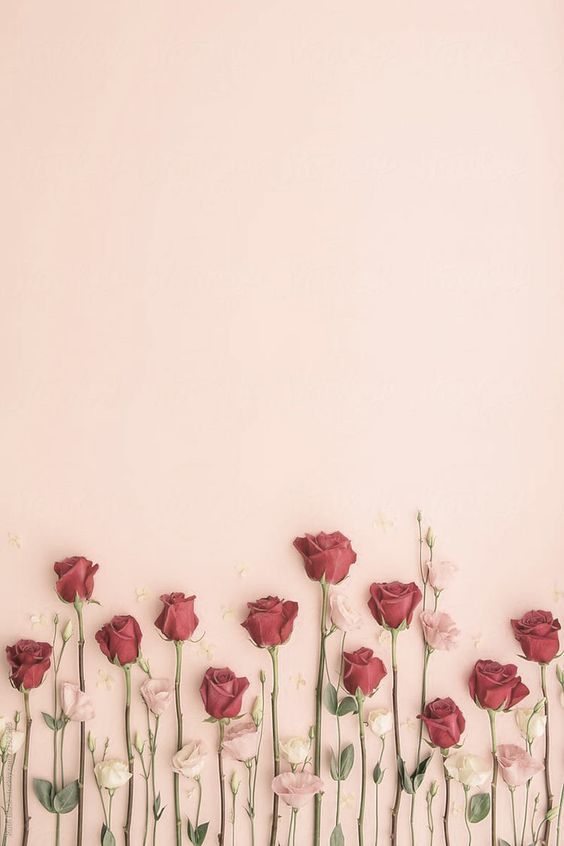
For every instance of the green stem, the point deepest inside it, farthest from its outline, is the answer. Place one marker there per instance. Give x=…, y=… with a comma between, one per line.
x=360, y=821
x=146, y=776
x=513, y=817
x=233, y=816
x=548, y=788
x=447, y=804
x=199, y=802
x=492, y=715
x=377, y=809
x=82, y=748
x=558, y=821
x=262, y=683
x=291, y=826
x=319, y=710
x=153, y=752
x=110, y=810
x=466, y=820
x=56, y=735
x=527, y=789
x=337, y=717
x=221, y=837
x=430, y=822
x=397, y=739
x=63, y=752
x=25, y=768
x=249, y=766
x=179, y=738
x=130, y=761
x=100, y=794
x=295, y=815
x=275, y=742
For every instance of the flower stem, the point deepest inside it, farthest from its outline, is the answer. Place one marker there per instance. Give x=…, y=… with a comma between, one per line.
x=426, y=656
x=360, y=821
x=250, y=799
x=492, y=715
x=146, y=776
x=153, y=753
x=221, y=837
x=526, y=811
x=25, y=800
x=233, y=816
x=82, y=747
x=338, y=719
x=513, y=817
x=318, y=710
x=397, y=740
x=275, y=742
x=430, y=822
x=56, y=733
x=466, y=820
x=295, y=815
x=548, y=788
x=447, y=804
x=130, y=761
x=179, y=738
x=559, y=816
x=377, y=797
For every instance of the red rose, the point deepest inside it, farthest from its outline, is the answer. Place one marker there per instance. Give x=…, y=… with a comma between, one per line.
x=537, y=633
x=120, y=640
x=270, y=620
x=392, y=603
x=177, y=620
x=326, y=555
x=445, y=722
x=76, y=578
x=29, y=661
x=222, y=693
x=496, y=686
x=361, y=669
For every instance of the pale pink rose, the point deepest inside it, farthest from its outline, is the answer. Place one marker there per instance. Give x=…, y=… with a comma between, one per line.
x=241, y=739
x=76, y=704
x=439, y=573
x=439, y=630
x=344, y=614
x=297, y=789
x=157, y=695
x=516, y=765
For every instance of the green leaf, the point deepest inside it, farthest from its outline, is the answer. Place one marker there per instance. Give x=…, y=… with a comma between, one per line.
x=337, y=837
x=107, y=838
x=378, y=774
x=479, y=807
x=330, y=698
x=347, y=706
x=334, y=767
x=419, y=773
x=501, y=842
x=51, y=722
x=66, y=799
x=404, y=777
x=201, y=832
x=346, y=762
x=43, y=789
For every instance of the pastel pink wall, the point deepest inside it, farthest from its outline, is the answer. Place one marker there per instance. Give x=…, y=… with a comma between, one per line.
x=273, y=267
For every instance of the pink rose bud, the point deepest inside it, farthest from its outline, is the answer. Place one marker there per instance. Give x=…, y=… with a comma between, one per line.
x=439, y=630
x=344, y=614
x=157, y=695
x=297, y=789
x=516, y=765
x=77, y=705
x=241, y=739
x=440, y=573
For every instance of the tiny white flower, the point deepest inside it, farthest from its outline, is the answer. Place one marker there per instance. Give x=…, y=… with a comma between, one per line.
x=296, y=749
x=380, y=721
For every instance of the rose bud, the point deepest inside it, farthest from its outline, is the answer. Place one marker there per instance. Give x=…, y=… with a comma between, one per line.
x=297, y=789
x=190, y=760
x=444, y=721
x=75, y=578
x=362, y=671
x=177, y=620
x=270, y=621
x=29, y=661
x=157, y=695
x=469, y=770
x=326, y=556
x=392, y=603
x=439, y=630
x=222, y=692
x=496, y=686
x=537, y=633
x=240, y=739
x=120, y=640
x=111, y=774
x=344, y=615
x=516, y=765
x=77, y=705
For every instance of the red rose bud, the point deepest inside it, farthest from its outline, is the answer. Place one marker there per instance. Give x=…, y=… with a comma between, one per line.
x=326, y=555
x=29, y=661
x=444, y=721
x=120, y=640
x=537, y=633
x=270, y=620
x=362, y=670
x=75, y=578
x=392, y=603
x=496, y=686
x=177, y=620
x=222, y=693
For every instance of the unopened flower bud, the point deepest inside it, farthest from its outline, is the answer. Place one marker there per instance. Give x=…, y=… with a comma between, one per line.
x=262, y=677
x=143, y=664
x=235, y=783
x=67, y=632
x=139, y=743
x=256, y=712
x=430, y=538
x=433, y=789
x=55, y=619
x=91, y=742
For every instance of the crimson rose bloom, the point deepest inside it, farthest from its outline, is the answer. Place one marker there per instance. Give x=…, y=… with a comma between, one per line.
x=326, y=555
x=362, y=670
x=270, y=620
x=222, y=692
x=537, y=633
x=393, y=603
x=445, y=722
x=496, y=686
x=177, y=620
x=29, y=661
x=76, y=578
x=120, y=640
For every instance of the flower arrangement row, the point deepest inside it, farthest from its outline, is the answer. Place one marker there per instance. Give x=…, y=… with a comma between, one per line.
x=297, y=772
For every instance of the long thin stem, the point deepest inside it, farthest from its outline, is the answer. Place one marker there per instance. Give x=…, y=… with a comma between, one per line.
x=548, y=788
x=25, y=800
x=250, y=799
x=82, y=747
x=338, y=719
x=397, y=740
x=179, y=738
x=130, y=761
x=376, y=798
x=146, y=776
x=100, y=794
x=275, y=742
x=492, y=715
x=360, y=821
x=466, y=820
x=295, y=815
x=319, y=710
x=559, y=816
x=62, y=746
x=446, y=814
x=513, y=817
x=526, y=811
x=430, y=822
x=4, y=802
x=221, y=837
x=56, y=732
x=233, y=816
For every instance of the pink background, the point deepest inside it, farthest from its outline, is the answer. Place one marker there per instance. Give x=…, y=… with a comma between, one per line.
x=272, y=268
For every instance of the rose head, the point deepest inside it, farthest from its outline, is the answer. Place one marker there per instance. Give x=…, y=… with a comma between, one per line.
x=29, y=661
x=177, y=620
x=270, y=620
x=362, y=670
x=222, y=692
x=326, y=555
x=496, y=686
x=517, y=766
x=444, y=721
x=75, y=578
x=392, y=603
x=537, y=633
x=120, y=640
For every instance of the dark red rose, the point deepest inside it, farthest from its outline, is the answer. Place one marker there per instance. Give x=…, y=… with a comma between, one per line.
x=120, y=640
x=29, y=661
x=445, y=722
x=222, y=692
x=76, y=578
x=270, y=620
x=326, y=555
x=537, y=633
x=177, y=620
x=496, y=686
x=393, y=603
x=361, y=669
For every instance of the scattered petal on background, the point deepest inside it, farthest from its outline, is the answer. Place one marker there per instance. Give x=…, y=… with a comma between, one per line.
x=242, y=570
x=105, y=680
x=14, y=540
x=383, y=522
x=298, y=680
x=348, y=800
x=142, y=593
x=227, y=613
x=38, y=620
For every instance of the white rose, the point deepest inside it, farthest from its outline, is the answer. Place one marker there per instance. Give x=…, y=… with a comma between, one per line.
x=380, y=721
x=296, y=749
x=470, y=770
x=529, y=724
x=111, y=773
x=344, y=614
x=189, y=761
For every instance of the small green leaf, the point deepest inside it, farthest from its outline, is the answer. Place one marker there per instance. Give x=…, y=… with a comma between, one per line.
x=66, y=799
x=201, y=832
x=479, y=807
x=378, y=774
x=419, y=773
x=347, y=706
x=51, y=722
x=43, y=789
x=404, y=777
x=346, y=762
x=107, y=838
x=334, y=767
x=330, y=699
x=191, y=832
x=337, y=836
x=501, y=842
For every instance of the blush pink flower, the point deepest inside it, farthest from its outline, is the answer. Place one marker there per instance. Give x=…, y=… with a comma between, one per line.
x=516, y=765
x=439, y=630
x=157, y=695
x=344, y=614
x=241, y=739
x=77, y=705
x=297, y=789
x=440, y=573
